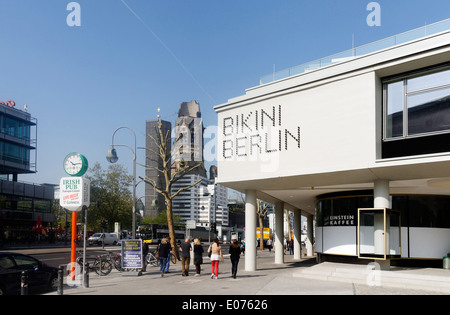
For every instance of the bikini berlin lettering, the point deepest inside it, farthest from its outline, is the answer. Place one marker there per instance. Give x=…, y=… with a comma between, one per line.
x=258, y=132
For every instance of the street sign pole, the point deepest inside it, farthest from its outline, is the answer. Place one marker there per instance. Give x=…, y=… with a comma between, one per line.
x=84, y=213
x=73, y=255
x=75, y=196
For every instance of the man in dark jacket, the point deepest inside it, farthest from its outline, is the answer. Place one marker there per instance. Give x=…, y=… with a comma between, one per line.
x=163, y=251
x=185, y=249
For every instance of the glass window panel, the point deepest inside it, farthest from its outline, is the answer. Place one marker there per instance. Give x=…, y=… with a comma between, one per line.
x=429, y=81
x=394, y=108
x=429, y=112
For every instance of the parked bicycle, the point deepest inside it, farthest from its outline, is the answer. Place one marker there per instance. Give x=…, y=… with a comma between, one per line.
x=115, y=259
x=101, y=264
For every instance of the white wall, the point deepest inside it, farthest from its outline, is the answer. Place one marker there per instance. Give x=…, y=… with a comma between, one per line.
x=429, y=243
x=337, y=131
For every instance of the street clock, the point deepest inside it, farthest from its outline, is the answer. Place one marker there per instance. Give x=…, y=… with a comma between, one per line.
x=75, y=164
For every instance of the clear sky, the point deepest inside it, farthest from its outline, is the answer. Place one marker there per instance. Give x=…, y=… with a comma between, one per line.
x=129, y=57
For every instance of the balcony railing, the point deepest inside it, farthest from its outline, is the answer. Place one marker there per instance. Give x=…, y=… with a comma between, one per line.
x=359, y=51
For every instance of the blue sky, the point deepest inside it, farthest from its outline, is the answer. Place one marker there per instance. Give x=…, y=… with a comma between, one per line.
x=116, y=69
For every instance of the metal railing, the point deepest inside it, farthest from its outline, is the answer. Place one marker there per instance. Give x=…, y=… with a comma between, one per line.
x=359, y=51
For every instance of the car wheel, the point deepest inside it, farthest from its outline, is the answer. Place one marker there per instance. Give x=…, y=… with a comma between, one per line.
x=53, y=283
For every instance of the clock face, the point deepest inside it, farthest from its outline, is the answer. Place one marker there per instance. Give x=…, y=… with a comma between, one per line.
x=75, y=164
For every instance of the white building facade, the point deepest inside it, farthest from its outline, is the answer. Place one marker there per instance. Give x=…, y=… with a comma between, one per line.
x=345, y=141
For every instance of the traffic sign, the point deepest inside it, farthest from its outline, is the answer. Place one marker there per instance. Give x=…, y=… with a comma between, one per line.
x=191, y=224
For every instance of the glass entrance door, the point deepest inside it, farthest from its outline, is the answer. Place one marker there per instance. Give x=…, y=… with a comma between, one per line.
x=379, y=233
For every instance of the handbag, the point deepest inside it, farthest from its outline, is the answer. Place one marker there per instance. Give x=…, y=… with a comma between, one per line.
x=209, y=251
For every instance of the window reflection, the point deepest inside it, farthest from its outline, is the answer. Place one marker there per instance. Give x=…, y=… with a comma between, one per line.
x=417, y=105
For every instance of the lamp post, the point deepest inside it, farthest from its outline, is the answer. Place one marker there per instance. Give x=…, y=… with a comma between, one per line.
x=113, y=158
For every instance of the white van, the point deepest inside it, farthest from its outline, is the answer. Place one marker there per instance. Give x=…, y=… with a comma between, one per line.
x=107, y=238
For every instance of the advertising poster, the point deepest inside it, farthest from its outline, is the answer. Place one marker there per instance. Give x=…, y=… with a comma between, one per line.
x=132, y=254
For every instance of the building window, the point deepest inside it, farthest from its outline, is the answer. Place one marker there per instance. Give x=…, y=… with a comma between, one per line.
x=340, y=209
x=416, y=110
x=417, y=105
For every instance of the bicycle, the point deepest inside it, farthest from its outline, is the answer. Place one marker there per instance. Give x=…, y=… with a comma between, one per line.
x=116, y=260
x=173, y=258
x=101, y=266
x=152, y=260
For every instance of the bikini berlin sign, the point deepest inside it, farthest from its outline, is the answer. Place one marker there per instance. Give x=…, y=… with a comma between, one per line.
x=74, y=193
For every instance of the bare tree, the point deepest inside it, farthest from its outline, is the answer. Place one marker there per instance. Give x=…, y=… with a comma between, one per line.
x=171, y=172
x=261, y=212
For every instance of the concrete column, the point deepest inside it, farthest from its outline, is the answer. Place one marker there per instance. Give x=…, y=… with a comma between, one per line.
x=279, y=232
x=297, y=233
x=381, y=194
x=309, y=235
x=381, y=200
x=250, y=230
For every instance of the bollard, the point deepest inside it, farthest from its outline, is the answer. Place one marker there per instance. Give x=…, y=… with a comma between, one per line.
x=60, y=289
x=24, y=283
x=446, y=262
x=86, y=275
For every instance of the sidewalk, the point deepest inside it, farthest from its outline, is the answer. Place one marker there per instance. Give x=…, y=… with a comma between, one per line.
x=268, y=279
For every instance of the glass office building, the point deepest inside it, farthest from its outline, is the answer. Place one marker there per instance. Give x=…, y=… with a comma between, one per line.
x=20, y=203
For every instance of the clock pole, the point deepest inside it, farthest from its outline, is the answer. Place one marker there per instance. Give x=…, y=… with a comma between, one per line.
x=74, y=194
x=73, y=255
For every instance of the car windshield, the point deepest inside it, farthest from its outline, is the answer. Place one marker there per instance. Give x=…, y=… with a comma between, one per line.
x=97, y=235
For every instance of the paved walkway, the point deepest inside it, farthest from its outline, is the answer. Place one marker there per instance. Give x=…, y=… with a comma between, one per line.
x=269, y=279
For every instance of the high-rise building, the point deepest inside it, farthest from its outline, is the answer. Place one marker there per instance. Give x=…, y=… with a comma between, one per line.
x=205, y=202
x=155, y=202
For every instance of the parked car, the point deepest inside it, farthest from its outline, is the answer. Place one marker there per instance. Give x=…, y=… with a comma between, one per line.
x=40, y=276
x=108, y=238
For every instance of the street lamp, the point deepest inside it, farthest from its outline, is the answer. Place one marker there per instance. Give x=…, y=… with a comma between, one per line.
x=113, y=158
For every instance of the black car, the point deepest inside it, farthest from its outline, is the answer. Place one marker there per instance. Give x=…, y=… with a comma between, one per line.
x=40, y=276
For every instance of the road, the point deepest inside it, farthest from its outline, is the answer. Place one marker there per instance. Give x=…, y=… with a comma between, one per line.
x=61, y=258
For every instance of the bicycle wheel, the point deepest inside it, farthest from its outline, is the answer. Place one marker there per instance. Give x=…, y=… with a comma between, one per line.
x=154, y=262
x=102, y=267
x=118, y=262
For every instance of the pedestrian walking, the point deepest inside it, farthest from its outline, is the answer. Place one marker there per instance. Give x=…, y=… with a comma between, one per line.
x=185, y=249
x=216, y=253
x=163, y=251
x=235, y=253
x=167, y=265
x=145, y=250
x=198, y=256
x=269, y=244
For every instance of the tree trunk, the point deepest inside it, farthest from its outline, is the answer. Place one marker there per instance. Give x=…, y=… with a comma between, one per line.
x=173, y=241
x=261, y=233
